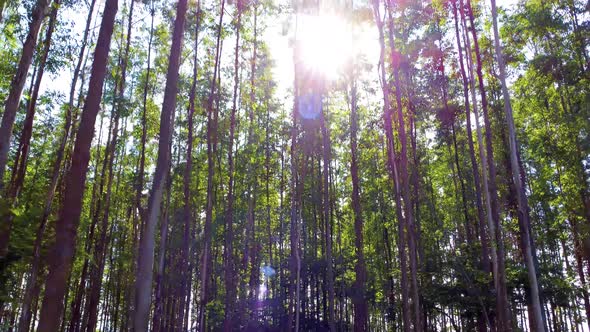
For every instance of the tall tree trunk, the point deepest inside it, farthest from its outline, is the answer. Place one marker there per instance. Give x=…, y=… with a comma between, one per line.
x=11, y=107
x=60, y=262
x=328, y=221
x=25, y=317
x=141, y=167
x=403, y=162
x=230, y=286
x=211, y=139
x=101, y=247
x=485, y=260
x=515, y=166
x=144, y=275
x=394, y=171
x=295, y=257
x=20, y=165
x=360, y=303
x=502, y=307
x=185, y=283
x=139, y=213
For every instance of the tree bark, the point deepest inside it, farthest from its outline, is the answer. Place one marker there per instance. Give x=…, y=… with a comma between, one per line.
x=60, y=262
x=11, y=108
x=211, y=139
x=359, y=301
x=143, y=284
x=394, y=171
x=502, y=307
x=327, y=218
x=515, y=166
x=187, y=197
x=25, y=317
x=230, y=286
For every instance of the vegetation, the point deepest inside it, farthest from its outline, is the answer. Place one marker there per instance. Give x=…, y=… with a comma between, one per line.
x=404, y=166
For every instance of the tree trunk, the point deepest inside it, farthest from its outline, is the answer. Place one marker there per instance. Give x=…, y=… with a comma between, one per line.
x=328, y=222
x=60, y=262
x=230, y=286
x=11, y=108
x=515, y=166
x=403, y=162
x=485, y=260
x=502, y=307
x=25, y=317
x=101, y=247
x=20, y=165
x=360, y=303
x=185, y=288
x=211, y=139
x=144, y=275
x=16, y=88
x=394, y=172
x=295, y=257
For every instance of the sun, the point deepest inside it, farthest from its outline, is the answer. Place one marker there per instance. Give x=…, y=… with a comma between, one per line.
x=325, y=43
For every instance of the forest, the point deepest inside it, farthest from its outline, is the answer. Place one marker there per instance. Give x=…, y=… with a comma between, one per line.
x=295, y=165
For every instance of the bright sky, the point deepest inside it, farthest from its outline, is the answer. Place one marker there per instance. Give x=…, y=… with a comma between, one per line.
x=327, y=43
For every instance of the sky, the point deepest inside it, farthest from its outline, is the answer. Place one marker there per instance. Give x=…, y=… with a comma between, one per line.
x=333, y=30
x=314, y=32
x=324, y=42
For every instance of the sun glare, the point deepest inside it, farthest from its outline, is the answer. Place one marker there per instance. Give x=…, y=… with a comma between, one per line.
x=325, y=43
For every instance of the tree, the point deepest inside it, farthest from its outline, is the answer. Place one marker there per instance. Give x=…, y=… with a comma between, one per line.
x=12, y=103
x=517, y=180
x=66, y=227
x=145, y=260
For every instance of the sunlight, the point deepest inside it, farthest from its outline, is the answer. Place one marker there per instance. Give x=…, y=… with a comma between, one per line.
x=262, y=289
x=325, y=43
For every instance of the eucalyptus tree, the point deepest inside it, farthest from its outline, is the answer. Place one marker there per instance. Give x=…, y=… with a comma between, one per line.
x=147, y=243
x=66, y=227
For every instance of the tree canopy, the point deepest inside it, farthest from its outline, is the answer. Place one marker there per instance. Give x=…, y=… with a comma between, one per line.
x=294, y=165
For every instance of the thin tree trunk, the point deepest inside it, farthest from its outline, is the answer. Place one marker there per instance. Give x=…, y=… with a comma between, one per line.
x=211, y=139
x=185, y=288
x=11, y=107
x=13, y=101
x=502, y=307
x=20, y=166
x=230, y=286
x=328, y=222
x=407, y=200
x=485, y=260
x=394, y=172
x=60, y=262
x=515, y=166
x=25, y=317
x=143, y=284
x=360, y=303
x=100, y=251
x=295, y=258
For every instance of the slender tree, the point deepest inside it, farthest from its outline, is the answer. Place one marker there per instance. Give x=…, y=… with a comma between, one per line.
x=360, y=304
x=211, y=140
x=230, y=283
x=145, y=262
x=519, y=186
x=12, y=104
x=393, y=168
x=63, y=250
x=327, y=218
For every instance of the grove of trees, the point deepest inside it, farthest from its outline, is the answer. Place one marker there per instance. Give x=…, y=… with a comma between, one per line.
x=156, y=174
